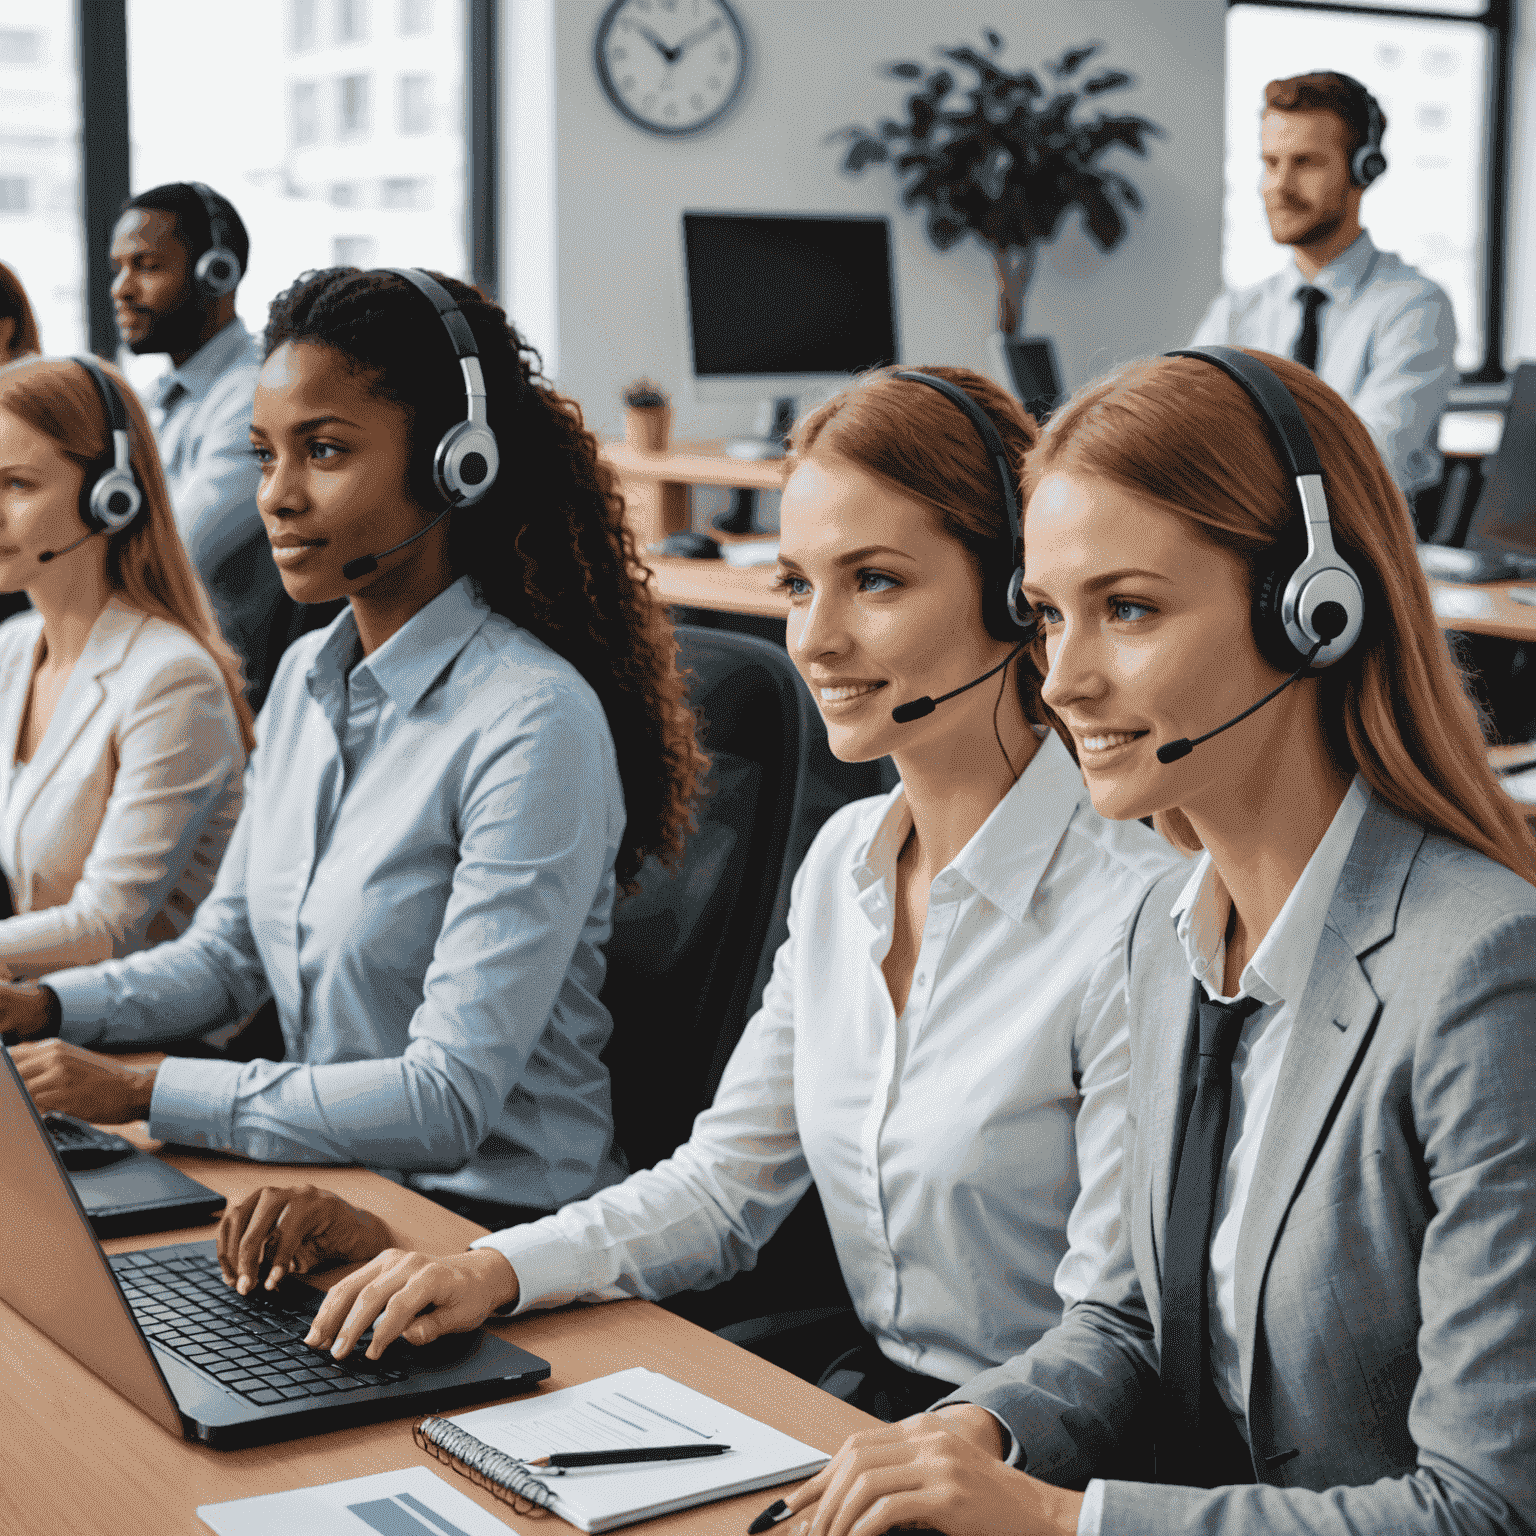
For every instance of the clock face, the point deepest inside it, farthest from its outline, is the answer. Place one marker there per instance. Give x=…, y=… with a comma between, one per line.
x=672, y=66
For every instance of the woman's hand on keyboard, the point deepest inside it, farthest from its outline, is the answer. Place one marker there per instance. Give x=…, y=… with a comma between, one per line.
x=463, y=1289
x=292, y=1230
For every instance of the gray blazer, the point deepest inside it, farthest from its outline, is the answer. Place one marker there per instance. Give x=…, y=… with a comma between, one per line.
x=1386, y=1281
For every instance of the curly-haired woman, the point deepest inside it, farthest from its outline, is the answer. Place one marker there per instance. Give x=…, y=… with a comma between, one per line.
x=451, y=784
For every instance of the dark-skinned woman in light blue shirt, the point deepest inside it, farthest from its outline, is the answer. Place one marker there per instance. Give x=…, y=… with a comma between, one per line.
x=451, y=784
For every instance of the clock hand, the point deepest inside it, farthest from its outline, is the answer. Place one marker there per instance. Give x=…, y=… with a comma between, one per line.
x=669, y=54
x=698, y=36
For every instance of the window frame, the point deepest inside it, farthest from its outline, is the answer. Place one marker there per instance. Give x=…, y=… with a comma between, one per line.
x=1499, y=22
x=101, y=44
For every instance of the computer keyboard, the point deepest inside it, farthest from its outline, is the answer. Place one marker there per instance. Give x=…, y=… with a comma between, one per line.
x=251, y=1344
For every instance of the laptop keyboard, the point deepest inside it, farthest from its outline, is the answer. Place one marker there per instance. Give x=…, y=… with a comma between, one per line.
x=253, y=1344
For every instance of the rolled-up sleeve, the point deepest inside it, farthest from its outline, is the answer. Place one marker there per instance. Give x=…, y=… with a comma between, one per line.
x=536, y=846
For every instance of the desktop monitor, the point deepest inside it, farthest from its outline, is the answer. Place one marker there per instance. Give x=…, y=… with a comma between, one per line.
x=786, y=306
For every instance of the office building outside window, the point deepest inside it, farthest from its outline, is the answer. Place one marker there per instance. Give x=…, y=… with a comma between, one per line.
x=351, y=21
x=303, y=28
x=305, y=104
x=40, y=228
x=415, y=104
x=1431, y=74
x=415, y=18
x=354, y=106
x=317, y=180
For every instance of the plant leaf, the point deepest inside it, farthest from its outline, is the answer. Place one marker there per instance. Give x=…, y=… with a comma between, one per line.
x=864, y=152
x=1073, y=60
x=1109, y=80
x=994, y=41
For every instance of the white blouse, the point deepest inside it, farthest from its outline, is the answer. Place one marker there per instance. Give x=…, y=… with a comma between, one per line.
x=967, y=1150
x=111, y=834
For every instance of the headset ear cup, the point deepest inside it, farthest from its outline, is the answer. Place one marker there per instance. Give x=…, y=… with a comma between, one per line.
x=114, y=501
x=1268, y=626
x=465, y=465
x=217, y=272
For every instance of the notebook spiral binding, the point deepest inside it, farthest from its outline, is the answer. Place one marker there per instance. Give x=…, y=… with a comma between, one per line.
x=502, y=1476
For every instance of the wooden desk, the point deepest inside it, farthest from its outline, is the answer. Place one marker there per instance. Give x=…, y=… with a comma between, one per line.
x=655, y=485
x=714, y=584
x=1484, y=610
x=80, y=1459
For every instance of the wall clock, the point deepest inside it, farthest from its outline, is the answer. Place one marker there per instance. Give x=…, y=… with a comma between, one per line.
x=671, y=66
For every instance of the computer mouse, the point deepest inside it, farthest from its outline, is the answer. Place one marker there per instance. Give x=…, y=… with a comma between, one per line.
x=690, y=546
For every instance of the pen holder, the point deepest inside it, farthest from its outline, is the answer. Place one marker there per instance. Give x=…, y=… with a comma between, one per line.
x=648, y=427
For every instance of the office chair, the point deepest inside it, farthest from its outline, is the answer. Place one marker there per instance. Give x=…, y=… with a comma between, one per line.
x=683, y=963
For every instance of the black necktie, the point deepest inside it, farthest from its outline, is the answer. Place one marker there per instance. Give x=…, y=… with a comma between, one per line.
x=1193, y=1444
x=1305, y=350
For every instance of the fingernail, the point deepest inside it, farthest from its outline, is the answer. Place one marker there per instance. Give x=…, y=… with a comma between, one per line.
x=244, y=1284
x=311, y=1338
x=273, y=1278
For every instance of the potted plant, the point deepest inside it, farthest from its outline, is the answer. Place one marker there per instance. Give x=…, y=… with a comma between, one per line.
x=1005, y=159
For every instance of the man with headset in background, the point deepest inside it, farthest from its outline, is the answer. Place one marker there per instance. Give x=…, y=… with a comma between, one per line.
x=1367, y=323
x=178, y=253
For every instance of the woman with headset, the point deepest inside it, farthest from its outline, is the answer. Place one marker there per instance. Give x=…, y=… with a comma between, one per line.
x=123, y=731
x=1319, y=1318
x=452, y=782
x=942, y=1043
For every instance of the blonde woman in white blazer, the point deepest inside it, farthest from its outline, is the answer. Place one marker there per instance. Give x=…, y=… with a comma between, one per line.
x=123, y=733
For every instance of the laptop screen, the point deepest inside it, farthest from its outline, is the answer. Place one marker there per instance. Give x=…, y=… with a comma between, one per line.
x=52, y=1269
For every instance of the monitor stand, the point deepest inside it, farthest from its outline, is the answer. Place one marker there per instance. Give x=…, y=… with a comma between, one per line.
x=775, y=418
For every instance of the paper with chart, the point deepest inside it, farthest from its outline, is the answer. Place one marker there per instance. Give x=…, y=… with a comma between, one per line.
x=638, y=1408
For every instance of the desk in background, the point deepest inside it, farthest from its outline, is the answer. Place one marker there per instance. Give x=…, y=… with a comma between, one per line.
x=655, y=485
x=80, y=1459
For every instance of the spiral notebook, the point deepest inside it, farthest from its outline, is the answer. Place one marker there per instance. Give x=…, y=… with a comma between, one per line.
x=632, y=1408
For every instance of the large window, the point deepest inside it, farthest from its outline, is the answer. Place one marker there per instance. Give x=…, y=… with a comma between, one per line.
x=40, y=231
x=288, y=116
x=1434, y=75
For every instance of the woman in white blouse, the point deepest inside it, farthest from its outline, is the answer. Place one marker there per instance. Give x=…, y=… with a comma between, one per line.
x=123, y=733
x=942, y=1045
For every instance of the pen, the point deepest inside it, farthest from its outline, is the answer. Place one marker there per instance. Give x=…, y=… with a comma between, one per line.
x=769, y=1518
x=563, y=1459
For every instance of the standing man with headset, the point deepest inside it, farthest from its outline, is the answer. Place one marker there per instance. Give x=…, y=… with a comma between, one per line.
x=1376, y=329
x=178, y=253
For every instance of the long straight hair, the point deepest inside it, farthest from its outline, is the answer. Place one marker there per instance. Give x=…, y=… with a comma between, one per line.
x=1397, y=709
x=147, y=564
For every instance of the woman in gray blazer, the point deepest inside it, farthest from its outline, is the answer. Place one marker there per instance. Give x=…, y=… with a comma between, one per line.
x=1321, y=1313
x=123, y=733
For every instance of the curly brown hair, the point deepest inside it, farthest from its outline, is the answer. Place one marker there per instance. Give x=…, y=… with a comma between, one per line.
x=549, y=547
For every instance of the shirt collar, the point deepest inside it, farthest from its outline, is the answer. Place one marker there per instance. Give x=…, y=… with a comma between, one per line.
x=1348, y=272
x=198, y=373
x=1008, y=854
x=1279, y=968
x=413, y=658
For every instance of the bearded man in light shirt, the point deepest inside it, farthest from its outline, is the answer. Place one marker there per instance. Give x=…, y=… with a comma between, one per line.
x=1376, y=329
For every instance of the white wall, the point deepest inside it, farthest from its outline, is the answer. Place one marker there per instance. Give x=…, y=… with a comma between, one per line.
x=612, y=308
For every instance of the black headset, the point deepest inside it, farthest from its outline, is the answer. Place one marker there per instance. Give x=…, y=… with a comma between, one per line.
x=1003, y=609
x=1367, y=162
x=1309, y=611
x=111, y=498
x=466, y=461
x=217, y=271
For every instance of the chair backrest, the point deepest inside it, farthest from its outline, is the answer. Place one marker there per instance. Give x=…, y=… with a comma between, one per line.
x=683, y=961
x=1505, y=518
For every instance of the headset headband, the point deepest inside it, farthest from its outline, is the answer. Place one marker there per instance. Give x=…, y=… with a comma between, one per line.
x=112, y=409
x=1003, y=605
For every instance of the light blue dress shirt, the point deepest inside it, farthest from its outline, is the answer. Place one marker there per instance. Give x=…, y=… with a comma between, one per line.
x=422, y=877
x=1386, y=341
x=202, y=419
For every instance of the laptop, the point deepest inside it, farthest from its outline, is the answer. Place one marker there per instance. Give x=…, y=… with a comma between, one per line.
x=162, y=1329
